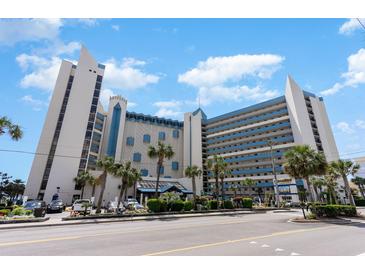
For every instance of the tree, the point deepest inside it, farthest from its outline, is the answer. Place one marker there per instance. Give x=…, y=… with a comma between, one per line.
x=360, y=182
x=302, y=162
x=193, y=172
x=331, y=184
x=106, y=165
x=217, y=166
x=83, y=178
x=13, y=130
x=94, y=182
x=222, y=174
x=14, y=188
x=342, y=169
x=318, y=184
x=161, y=151
x=128, y=175
x=248, y=182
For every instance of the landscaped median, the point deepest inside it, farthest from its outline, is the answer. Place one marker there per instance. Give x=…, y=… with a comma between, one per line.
x=17, y=214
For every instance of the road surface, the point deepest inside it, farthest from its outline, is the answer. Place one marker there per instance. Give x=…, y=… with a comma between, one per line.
x=249, y=234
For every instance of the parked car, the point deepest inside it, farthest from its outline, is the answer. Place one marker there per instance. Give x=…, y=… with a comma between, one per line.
x=39, y=208
x=112, y=207
x=132, y=203
x=55, y=206
x=78, y=205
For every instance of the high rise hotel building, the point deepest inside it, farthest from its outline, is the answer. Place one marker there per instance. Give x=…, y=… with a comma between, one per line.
x=78, y=131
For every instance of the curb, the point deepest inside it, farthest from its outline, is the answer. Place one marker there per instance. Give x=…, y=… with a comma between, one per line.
x=315, y=221
x=20, y=221
x=129, y=219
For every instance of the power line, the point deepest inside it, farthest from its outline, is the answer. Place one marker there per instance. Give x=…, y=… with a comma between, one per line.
x=363, y=26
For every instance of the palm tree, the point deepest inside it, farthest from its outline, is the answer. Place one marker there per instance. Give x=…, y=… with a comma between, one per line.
x=222, y=174
x=331, y=184
x=106, y=165
x=94, y=182
x=160, y=152
x=128, y=175
x=82, y=179
x=216, y=165
x=342, y=169
x=360, y=182
x=193, y=172
x=302, y=162
x=318, y=183
x=13, y=130
x=249, y=183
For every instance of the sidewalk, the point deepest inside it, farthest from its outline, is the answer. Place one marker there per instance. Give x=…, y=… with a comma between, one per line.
x=59, y=222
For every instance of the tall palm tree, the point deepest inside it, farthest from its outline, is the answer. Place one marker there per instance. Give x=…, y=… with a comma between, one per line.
x=193, y=172
x=224, y=171
x=360, y=182
x=107, y=166
x=94, y=182
x=302, y=162
x=82, y=179
x=13, y=130
x=318, y=183
x=128, y=175
x=248, y=182
x=331, y=184
x=161, y=151
x=216, y=165
x=344, y=168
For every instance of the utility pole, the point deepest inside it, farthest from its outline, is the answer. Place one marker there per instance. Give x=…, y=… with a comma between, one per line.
x=275, y=181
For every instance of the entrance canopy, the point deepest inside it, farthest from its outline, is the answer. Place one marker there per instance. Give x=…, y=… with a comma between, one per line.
x=150, y=186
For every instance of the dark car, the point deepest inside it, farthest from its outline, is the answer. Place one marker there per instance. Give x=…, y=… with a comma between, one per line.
x=55, y=206
x=38, y=207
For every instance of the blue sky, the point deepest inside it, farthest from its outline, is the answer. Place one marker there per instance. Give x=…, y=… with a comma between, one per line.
x=165, y=66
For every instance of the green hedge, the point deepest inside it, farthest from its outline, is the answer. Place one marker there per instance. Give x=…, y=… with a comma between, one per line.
x=163, y=206
x=188, y=206
x=333, y=211
x=177, y=205
x=360, y=202
x=228, y=204
x=213, y=204
x=18, y=211
x=154, y=205
x=247, y=202
x=4, y=212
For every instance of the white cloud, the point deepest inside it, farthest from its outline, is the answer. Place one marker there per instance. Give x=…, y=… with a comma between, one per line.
x=168, y=104
x=218, y=78
x=17, y=30
x=350, y=26
x=105, y=94
x=89, y=22
x=218, y=70
x=354, y=76
x=116, y=27
x=127, y=74
x=360, y=124
x=345, y=127
x=42, y=72
x=165, y=112
x=36, y=104
x=173, y=109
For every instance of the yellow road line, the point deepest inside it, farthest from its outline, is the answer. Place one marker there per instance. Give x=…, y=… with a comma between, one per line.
x=114, y=233
x=235, y=241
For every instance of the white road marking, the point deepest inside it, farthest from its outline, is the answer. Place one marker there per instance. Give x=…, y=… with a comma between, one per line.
x=265, y=245
x=294, y=254
x=253, y=242
x=279, y=249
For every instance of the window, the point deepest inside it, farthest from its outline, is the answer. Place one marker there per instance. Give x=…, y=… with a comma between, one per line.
x=130, y=141
x=137, y=157
x=162, y=170
x=161, y=136
x=175, y=133
x=146, y=138
x=175, y=165
x=144, y=172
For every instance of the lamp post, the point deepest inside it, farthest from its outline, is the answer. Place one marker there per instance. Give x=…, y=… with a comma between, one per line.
x=275, y=181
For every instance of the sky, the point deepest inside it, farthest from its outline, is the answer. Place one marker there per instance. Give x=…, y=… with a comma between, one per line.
x=166, y=67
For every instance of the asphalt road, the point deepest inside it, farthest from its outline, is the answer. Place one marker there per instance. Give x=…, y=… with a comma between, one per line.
x=251, y=234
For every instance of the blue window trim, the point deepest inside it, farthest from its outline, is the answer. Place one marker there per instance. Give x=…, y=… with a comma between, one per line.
x=114, y=128
x=175, y=165
x=130, y=141
x=147, y=138
x=175, y=133
x=162, y=170
x=137, y=157
x=144, y=172
x=162, y=136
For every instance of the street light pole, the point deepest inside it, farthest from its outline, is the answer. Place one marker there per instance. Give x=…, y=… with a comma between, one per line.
x=277, y=198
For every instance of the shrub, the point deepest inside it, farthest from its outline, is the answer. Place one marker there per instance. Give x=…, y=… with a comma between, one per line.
x=28, y=212
x=247, y=202
x=163, y=206
x=188, y=206
x=213, y=204
x=360, y=202
x=177, y=205
x=154, y=205
x=18, y=211
x=4, y=212
x=228, y=204
x=332, y=211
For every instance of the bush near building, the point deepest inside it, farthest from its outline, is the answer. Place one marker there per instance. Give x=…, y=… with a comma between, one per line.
x=213, y=204
x=228, y=204
x=177, y=205
x=188, y=206
x=4, y=212
x=360, y=202
x=247, y=202
x=154, y=205
x=333, y=211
